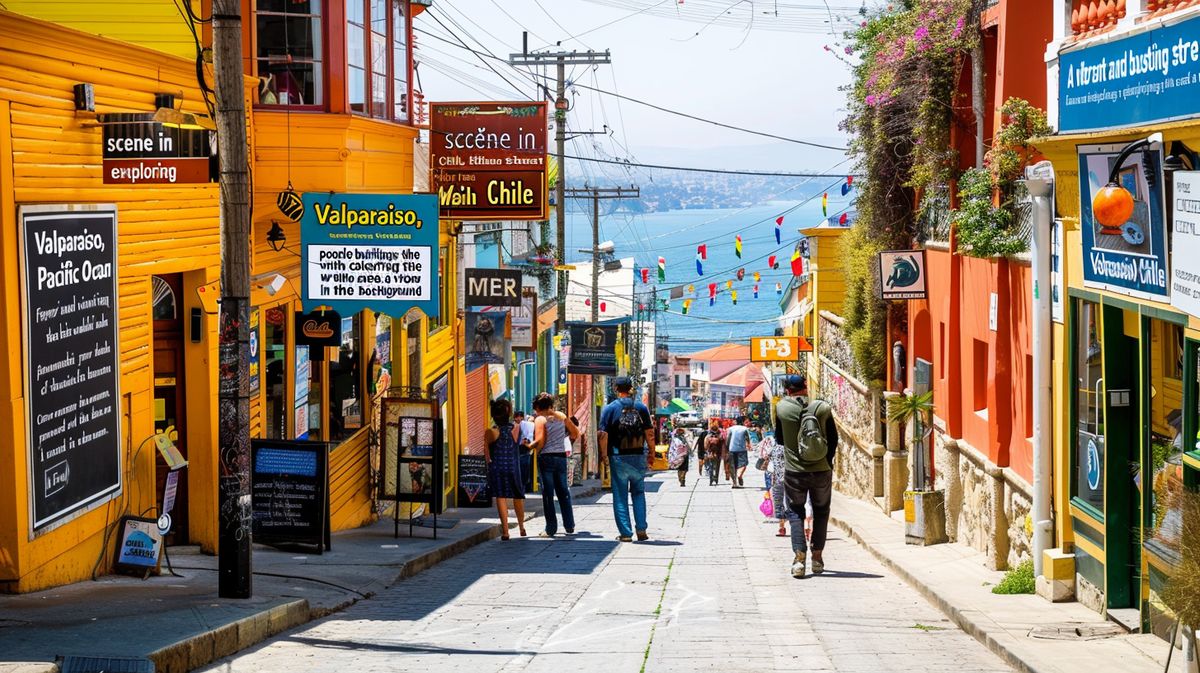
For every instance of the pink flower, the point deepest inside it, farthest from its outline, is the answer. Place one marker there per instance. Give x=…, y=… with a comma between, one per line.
x=921, y=33
x=849, y=50
x=958, y=28
x=871, y=100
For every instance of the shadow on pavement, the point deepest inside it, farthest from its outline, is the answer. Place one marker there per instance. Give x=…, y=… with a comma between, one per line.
x=359, y=646
x=849, y=574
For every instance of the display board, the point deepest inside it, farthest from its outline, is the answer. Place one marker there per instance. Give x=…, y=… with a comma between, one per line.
x=593, y=349
x=412, y=459
x=473, y=482
x=72, y=366
x=289, y=490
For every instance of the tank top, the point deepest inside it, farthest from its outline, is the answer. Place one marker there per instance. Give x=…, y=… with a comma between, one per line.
x=556, y=431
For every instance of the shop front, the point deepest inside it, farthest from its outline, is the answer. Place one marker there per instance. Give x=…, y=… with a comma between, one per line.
x=1126, y=395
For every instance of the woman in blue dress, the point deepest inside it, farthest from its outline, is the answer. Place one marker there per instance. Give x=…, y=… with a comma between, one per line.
x=504, y=468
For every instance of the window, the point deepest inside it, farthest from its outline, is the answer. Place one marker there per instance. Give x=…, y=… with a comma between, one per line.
x=345, y=382
x=1087, y=481
x=377, y=58
x=162, y=299
x=275, y=352
x=290, y=52
x=979, y=374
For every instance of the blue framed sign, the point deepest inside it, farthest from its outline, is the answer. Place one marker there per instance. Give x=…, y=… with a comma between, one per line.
x=376, y=251
x=1130, y=259
x=1148, y=77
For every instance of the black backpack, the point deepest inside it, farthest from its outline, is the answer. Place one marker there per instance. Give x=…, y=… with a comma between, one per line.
x=631, y=429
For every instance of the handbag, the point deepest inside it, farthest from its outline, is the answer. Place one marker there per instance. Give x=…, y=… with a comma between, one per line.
x=567, y=447
x=768, y=506
x=761, y=464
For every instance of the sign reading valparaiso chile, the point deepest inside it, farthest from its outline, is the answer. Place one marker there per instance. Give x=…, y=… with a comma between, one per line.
x=1148, y=77
x=488, y=160
x=376, y=251
x=1130, y=258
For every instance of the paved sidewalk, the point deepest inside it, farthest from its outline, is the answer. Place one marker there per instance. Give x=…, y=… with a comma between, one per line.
x=954, y=578
x=180, y=623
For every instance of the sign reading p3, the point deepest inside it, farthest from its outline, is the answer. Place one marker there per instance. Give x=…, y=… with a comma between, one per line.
x=777, y=349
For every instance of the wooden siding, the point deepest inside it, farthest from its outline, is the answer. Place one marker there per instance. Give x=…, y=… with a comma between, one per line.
x=350, y=504
x=155, y=24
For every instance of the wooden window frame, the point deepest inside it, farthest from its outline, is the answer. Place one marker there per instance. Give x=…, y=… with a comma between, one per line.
x=325, y=20
x=389, y=75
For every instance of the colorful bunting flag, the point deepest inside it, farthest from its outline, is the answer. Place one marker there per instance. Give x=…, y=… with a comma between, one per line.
x=702, y=251
x=662, y=269
x=797, y=264
x=741, y=273
x=756, y=290
x=845, y=188
x=757, y=276
x=778, y=288
x=825, y=204
x=737, y=246
x=700, y=261
x=772, y=263
x=733, y=293
x=729, y=285
x=691, y=289
x=645, y=276
x=778, y=229
x=687, y=306
x=712, y=293
x=603, y=306
x=843, y=219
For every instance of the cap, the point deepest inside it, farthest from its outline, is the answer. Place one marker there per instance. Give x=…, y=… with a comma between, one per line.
x=795, y=382
x=623, y=383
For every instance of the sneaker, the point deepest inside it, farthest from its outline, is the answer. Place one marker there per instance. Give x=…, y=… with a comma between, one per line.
x=570, y=531
x=544, y=534
x=741, y=481
x=798, y=565
x=642, y=536
x=818, y=566
x=624, y=538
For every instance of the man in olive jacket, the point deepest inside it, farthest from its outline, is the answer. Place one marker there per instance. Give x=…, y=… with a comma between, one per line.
x=806, y=477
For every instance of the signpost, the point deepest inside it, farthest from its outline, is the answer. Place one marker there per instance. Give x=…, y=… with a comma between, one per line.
x=902, y=274
x=68, y=259
x=593, y=349
x=289, y=491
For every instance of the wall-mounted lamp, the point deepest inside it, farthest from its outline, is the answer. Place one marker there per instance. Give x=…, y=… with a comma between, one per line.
x=274, y=285
x=1112, y=206
x=167, y=113
x=275, y=237
x=85, y=97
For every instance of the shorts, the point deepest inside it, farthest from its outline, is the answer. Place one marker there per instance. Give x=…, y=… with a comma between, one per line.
x=739, y=459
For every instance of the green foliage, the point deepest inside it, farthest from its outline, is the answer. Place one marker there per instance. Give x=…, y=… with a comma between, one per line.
x=1018, y=580
x=907, y=407
x=984, y=230
x=1011, y=151
x=1182, y=593
x=865, y=315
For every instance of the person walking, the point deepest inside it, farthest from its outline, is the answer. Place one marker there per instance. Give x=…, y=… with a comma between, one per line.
x=627, y=432
x=806, y=428
x=714, y=451
x=524, y=439
x=677, y=455
x=737, y=438
x=576, y=461
x=552, y=434
x=772, y=451
x=503, y=468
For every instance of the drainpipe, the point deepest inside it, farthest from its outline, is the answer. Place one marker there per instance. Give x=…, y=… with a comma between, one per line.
x=1039, y=180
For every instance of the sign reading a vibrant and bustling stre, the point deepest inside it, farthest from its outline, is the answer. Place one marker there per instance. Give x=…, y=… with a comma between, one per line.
x=488, y=160
x=376, y=251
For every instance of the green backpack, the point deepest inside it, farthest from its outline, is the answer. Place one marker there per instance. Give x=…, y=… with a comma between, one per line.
x=811, y=440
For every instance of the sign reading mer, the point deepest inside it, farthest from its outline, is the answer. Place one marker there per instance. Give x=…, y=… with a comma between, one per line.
x=493, y=287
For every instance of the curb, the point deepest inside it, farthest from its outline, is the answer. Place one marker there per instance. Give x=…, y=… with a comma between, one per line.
x=956, y=615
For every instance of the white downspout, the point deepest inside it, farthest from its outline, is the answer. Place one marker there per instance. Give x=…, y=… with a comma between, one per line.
x=1039, y=180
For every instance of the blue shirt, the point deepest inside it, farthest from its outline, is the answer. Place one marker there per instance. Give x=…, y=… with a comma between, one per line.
x=610, y=419
x=739, y=438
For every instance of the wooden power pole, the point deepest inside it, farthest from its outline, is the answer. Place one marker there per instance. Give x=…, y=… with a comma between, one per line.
x=233, y=392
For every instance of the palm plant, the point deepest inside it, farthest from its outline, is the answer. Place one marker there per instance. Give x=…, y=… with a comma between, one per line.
x=918, y=410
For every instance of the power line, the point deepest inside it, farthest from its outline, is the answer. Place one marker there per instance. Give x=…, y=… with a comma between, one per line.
x=723, y=171
x=477, y=54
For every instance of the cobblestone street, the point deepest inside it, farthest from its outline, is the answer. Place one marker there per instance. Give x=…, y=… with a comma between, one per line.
x=710, y=591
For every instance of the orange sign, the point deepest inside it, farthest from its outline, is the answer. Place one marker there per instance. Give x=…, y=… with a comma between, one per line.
x=778, y=349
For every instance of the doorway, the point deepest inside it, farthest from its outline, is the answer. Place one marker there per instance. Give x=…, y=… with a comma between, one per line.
x=169, y=394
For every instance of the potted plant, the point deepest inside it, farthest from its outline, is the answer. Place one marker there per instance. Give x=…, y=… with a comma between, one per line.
x=924, y=507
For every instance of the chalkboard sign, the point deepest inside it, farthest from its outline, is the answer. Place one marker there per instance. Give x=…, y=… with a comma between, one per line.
x=289, y=490
x=72, y=367
x=473, y=482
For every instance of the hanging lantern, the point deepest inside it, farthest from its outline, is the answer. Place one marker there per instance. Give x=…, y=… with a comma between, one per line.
x=1112, y=207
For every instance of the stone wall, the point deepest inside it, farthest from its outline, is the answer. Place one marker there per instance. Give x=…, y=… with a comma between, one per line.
x=858, y=469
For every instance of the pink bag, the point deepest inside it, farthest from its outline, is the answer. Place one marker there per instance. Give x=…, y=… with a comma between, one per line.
x=768, y=506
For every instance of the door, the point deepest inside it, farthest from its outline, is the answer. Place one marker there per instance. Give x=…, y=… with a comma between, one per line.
x=1124, y=435
x=169, y=400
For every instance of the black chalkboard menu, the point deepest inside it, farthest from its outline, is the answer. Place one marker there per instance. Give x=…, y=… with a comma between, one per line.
x=72, y=357
x=473, y=482
x=289, y=492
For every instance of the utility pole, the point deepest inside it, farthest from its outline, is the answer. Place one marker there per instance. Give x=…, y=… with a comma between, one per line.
x=561, y=59
x=596, y=194
x=233, y=381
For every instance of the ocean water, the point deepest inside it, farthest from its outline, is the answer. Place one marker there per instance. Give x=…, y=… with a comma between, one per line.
x=675, y=234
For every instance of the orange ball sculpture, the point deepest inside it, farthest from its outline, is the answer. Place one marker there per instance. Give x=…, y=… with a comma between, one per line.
x=1112, y=207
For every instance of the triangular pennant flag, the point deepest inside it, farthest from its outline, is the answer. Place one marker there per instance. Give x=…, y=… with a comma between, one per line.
x=778, y=288
x=772, y=263
x=729, y=285
x=756, y=291
x=645, y=276
x=850, y=179
x=778, y=229
x=733, y=294
x=845, y=188
x=687, y=305
x=797, y=264
x=741, y=273
x=712, y=290
x=662, y=269
x=843, y=219
x=603, y=306
x=737, y=246
x=702, y=251
x=825, y=204
x=712, y=300
x=699, y=262
x=757, y=276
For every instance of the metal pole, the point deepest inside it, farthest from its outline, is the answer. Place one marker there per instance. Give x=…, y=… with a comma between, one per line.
x=1040, y=183
x=560, y=199
x=593, y=426
x=233, y=392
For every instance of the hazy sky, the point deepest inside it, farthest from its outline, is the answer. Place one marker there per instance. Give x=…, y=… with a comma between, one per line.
x=783, y=83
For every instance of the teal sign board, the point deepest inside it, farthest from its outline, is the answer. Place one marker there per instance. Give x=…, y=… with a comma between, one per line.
x=1151, y=76
x=370, y=251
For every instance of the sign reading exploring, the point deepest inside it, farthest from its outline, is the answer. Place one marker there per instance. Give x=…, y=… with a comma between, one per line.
x=376, y=251
x=139, y=151
x=488, y=160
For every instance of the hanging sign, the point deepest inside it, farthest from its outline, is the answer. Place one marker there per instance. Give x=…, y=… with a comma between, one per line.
x=488, y=160
x=493, y=287
x=902, y=274
x=778, y=349
x=1185, y=242
x=1148, y=77
x=593, y=349
x=1131, y=258
x=139, y=151
x=376, y=251
x=319, y=329
x=68, y=261
x=487, y=339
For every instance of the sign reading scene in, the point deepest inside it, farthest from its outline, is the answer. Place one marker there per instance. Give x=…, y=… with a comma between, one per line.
x=68, y=263
x=902, y=274
x=593, y=349
x=1129, y=258
x=376, y=251
x=493, y=287
x=488, y=160
x=139, y=151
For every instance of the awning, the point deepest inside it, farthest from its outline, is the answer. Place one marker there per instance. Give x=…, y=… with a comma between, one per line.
x=675, y=406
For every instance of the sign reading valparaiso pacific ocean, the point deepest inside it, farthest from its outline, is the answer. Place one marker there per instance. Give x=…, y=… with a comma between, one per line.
x=376, y=251
x=488, y=160
x=1148, y=77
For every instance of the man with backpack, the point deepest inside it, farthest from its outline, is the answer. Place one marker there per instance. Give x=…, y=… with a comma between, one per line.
x=807, y=430
x=626, y=434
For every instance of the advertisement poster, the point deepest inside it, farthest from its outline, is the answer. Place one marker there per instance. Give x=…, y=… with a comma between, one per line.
x=1185, y=243
x=593, y=350
x=521, y=320
x=488, y=160
x=255, y=355
x=369, y=251
x=68, y=261
x=303, y=371
x=1131, y=258
x=1148, y=77
x=902, y=274
x=1058, y=292
x=487, y=338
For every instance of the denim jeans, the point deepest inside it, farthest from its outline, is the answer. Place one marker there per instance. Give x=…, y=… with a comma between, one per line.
x=629, y=479
x=527, y=471
x=552, y=470
x=799, y=487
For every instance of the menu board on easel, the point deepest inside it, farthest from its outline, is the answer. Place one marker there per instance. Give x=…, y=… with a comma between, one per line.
x=412, y=462
x=289, y=491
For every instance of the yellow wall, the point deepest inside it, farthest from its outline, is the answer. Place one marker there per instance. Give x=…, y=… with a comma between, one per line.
x=51, y=154
x=155, y=24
